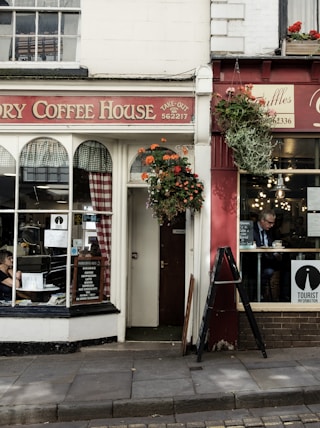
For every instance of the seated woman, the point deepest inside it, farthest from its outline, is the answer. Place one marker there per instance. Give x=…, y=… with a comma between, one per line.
x=6, y=280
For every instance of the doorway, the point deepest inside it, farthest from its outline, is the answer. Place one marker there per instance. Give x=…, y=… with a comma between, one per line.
x=172, y=273
x=156, y=281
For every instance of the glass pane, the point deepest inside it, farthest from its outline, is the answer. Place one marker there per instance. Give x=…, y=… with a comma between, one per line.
x=6, y=3
x=25, y=48
x=7, y=179
x=68, y=49
x=48, y=49
x=41, y=250
x=81, y=191
x=70, y=24
x=24, y=3
x=5, y=48
x=6, y=247
x=69, y=3
x=47, y=3
x=44, y=185
x=5, y=20
x=26, y=23
x=48, y=23
x=304, y=11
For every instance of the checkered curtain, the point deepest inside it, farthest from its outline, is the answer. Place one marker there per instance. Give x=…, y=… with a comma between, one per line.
x=6, y=159
x=101, y=198
x=43, y=152
x=92, y=156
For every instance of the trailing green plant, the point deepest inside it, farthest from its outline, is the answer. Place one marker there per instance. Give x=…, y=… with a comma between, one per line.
x=173, y=188
x=247, y=126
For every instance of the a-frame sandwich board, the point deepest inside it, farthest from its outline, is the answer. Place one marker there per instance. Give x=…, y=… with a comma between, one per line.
x=226, y=253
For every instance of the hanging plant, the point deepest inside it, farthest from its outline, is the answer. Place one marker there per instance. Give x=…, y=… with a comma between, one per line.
x=246, y=124
x=173, y=188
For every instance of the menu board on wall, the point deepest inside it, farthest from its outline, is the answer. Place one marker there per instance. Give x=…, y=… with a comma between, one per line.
x=313, y=198
x=246, y=232
x=88, y=279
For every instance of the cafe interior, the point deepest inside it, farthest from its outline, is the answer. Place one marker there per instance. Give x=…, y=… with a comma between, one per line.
x=292, y=190
x=50, y=216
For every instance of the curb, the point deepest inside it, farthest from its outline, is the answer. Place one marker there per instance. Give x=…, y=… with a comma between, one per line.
x=126, y=408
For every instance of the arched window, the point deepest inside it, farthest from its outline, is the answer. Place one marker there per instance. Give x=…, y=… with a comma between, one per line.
x=44, y=175
x=92, y=196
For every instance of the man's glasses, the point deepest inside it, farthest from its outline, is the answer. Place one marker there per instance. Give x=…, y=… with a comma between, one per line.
x=269, y=222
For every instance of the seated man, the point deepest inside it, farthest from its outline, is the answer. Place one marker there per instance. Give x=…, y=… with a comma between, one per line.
x=263, y=237
x=6, y=280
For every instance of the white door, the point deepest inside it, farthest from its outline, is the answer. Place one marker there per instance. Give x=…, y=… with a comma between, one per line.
x=143, y=281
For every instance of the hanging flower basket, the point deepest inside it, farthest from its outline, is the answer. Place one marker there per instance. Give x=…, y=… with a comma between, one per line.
x=246, y=124
x=173, y=188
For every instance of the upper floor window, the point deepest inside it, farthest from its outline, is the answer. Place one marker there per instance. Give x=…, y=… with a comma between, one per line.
x=306, y=11
x=39, y=30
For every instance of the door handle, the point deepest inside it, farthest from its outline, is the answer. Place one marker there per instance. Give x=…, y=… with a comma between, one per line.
x=163, y=264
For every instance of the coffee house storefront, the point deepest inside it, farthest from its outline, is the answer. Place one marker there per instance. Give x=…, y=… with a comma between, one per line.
x=288, y=310
x=73, y=207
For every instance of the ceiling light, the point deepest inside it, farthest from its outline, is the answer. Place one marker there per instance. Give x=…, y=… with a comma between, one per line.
x=280, y=188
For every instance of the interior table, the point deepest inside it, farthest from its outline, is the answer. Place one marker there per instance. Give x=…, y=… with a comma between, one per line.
x=39, y=294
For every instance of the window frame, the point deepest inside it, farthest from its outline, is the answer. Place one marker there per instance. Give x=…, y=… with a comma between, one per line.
x=36, y=63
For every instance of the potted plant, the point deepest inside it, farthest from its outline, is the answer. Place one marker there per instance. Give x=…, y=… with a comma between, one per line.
x=246, y=124
x=299, y=43
x=172, y=187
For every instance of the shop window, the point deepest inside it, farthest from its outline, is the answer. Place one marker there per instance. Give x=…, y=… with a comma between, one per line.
x=7, y=200
x=36, y=224
x=306, y=11
x=92, y=203
x=296, y=167
x=38, y=30
x=44, y=178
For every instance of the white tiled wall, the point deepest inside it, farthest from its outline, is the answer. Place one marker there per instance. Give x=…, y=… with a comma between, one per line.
x=247, y=27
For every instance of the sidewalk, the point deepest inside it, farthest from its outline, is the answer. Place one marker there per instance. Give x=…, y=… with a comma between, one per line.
x=152, y=378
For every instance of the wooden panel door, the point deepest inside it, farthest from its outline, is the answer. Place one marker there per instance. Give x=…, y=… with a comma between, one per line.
x=172, y=273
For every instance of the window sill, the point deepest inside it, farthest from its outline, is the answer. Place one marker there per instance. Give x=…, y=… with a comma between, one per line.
x=57, y=71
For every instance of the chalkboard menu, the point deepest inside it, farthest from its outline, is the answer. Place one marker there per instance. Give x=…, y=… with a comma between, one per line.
x=246, y=232
x=88, y=279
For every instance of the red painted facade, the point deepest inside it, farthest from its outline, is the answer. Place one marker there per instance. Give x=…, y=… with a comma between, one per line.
x=304, y=74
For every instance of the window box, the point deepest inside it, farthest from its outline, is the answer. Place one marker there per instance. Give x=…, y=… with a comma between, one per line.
x=300, y=47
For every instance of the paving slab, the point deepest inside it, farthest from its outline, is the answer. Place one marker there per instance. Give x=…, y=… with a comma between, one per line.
x=153, y=380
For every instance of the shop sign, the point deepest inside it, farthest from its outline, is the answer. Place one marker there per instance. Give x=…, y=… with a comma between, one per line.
x=305, y=281
x=297, y=107
x=96, y=110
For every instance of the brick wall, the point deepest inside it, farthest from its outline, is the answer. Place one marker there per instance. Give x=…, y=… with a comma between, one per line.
x=281, y=329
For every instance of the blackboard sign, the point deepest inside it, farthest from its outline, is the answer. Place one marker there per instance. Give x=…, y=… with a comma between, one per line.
x=88, y=279
x=246, y=232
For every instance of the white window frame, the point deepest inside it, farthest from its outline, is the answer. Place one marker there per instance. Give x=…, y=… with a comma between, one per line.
x=36, y=63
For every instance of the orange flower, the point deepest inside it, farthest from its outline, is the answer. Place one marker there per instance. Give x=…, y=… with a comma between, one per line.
x=166, y=157
x=144, y=176
x=141, y=150
x=149, y=160
x=163, y=140
x=185, y=150
x=174, y=156
x=154, y=146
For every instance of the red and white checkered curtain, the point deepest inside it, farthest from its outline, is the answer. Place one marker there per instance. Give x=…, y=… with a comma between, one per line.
x=101, y=198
